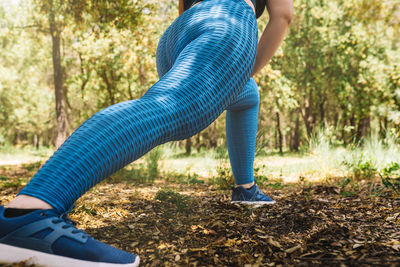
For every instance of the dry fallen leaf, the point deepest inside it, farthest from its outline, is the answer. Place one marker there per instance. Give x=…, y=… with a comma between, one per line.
x=273, y=242
x=292, y=249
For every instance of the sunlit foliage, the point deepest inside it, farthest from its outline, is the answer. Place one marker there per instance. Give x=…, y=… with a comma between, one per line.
x=337, y=69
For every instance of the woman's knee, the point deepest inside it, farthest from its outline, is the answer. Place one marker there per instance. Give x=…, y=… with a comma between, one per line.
x=248, y=97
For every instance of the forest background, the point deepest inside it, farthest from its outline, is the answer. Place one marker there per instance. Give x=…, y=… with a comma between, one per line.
x=331, y=93
x=328, y=142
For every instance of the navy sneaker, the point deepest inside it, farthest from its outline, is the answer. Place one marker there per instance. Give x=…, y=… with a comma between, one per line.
x=46, y=238
x=252, y=196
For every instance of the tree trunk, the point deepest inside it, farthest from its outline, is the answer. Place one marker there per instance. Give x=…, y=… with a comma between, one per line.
x=198, y=142
x=142, y=75
x=278, y=128
x=276, y=138
x=213, y=135
x=295, y=144
x=109, y=87
x=343, y=132
x=188, y=146
x=363, y=127
x=85, y=74
x=352, y=121
x=322, y=111
x=61, y=110
x=308, y=114
x=16, y=140
x=383, y=125
x=129, y=90
x=36, y=141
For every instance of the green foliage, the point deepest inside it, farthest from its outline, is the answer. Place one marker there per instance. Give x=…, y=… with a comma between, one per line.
x=221, y=152
x=106, y=44
x=365, y=159
x=169, y=196
x=140, y=173
x=17, y=183
x=348, y=193
x=32, y=166
x=25, y=97
x=84, y=209
x=120, y=14
x=193, y=179
x=345, y=182
x=189, y=178
x=361, y=167
x=258, y=174
x=275, y=185
x=152, y=164
x=347, y=187
x=337, y=70
x=135, y=173
x=306, y=186
x=224, y=179
x=390, y=176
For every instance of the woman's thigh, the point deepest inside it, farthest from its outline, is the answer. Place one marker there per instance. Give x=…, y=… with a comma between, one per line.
x=204, y=59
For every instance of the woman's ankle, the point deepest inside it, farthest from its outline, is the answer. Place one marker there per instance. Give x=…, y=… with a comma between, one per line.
x=28, y=202
x=247, y=186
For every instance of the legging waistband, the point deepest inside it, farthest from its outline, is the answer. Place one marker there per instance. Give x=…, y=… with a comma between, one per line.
x=198, y=1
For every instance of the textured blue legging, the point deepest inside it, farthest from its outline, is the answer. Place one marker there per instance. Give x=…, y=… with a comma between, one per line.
x=241, y=132
x=204, y=58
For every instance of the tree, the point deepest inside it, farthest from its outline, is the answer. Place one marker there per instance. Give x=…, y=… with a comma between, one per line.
x=73, y=13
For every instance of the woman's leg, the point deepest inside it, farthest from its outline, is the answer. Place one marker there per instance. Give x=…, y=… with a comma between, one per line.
x=212, y=49
x=241, y=132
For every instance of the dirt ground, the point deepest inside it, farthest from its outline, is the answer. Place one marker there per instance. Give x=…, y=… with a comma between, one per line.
x=196, y=225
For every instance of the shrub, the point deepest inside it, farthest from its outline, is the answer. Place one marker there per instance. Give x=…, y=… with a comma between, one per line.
x=390, y=176
x=172, y=197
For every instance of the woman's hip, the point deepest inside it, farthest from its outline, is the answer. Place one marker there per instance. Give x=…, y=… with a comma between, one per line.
x=217, y=23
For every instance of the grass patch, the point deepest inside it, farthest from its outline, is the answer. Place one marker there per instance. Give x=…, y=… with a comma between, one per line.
x=84, y=209
x=13, y=183
x=223, y=180
x=141, y=172
x=348, y=193
x=276, y=185
x=361, y=167
x=324, y=160
x=32, y=166
x=136, y=174
x=170, y=196
x=180, y=178
x=390, y=177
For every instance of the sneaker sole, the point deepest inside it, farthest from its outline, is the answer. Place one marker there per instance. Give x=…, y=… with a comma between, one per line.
x=11, y=254
x=255, y=203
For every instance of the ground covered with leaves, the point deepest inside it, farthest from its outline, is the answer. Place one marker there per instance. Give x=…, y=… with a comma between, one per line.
x=196, y=225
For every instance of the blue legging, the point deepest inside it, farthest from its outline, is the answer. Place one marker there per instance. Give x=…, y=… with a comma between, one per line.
x=204, y=58
x=241, y=132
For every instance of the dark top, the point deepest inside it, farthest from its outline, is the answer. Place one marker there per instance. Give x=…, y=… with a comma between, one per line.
x=258, y=4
